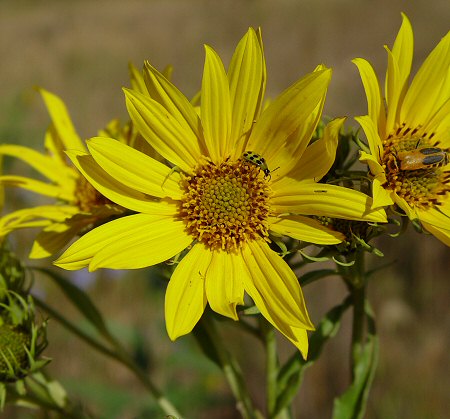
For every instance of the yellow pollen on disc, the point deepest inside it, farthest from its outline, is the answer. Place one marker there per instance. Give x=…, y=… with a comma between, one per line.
x=87, y=197
x=425, y=187
x=225, y=205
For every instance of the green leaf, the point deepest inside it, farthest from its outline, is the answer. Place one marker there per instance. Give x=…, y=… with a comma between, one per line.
x=291, y=374
x=352, y=404
x=79, y=298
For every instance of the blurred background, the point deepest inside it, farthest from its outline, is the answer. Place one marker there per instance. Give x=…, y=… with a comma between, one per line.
x=80, y=50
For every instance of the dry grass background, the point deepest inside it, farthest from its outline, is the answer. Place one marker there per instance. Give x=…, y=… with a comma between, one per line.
x=80, y=50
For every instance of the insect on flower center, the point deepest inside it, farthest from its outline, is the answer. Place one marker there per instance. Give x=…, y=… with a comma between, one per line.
x=226, y=204
x=415, y=168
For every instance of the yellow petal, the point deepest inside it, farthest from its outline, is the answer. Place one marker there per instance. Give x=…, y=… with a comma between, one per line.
x=111, y=189
x=114, y=233
x=155, y=240
x=306, y=229
x=46, y=165
x=136, y=79
x=410, y=212
x=318, y=157
x=381, y=196
x=185, y=296
x=403, y=48
x=276, y=292
x=374, y=96
x=164, y=132
x=426, y=92
x=165, y=93
x=134, y=169
x=393, y=93
x=224, y=286
x=326, y=200
x=216, y=107
x=399, y=68
x=61, y=120
x=54, y=191
x=275, y=134
x=247, y=79
x=439, y=124
x=373, y=161
x=276, y=284
x=52, y=239
x=437, y=223
x=373, y=137
x=40, y=216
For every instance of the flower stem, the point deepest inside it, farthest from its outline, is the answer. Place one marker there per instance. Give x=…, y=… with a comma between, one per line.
x=230, y=368
x=119, y=354
x=356, y=279
x=271, y=366
x=272, y=370
x=358, y=323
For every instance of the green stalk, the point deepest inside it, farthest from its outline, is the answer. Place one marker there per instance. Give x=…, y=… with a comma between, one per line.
x=230, y=368
x=271, y=366
x=356, y=280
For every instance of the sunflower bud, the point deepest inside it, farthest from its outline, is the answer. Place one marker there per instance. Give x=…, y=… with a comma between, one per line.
x=15, y=344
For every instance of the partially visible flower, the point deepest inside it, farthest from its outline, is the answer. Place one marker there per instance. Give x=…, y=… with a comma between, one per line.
x=409, y=137
x=77, y=205
x=220, y=200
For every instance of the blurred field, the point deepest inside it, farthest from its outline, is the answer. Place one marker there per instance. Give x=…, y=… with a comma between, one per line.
x=80, y=50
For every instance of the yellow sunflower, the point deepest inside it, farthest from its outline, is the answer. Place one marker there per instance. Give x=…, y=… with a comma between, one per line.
x=409, y=138
x=77, y=206
x=239, y=175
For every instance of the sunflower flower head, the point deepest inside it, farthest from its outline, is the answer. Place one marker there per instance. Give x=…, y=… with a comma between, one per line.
x=237, y=174
x=409, y=135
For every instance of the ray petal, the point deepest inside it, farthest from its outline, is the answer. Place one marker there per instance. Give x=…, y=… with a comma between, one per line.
x=318, y=157
x=81, y=253
x=52, y=239
x=224, y=286
x=157, y=239
x=275, y=134
x=373, y=137
x=374, y=96
x=165, y=93
x=185, y=295
x=437, y=223
x=276, y=292
x=163, y=131
x=216, y=107
x=111, y=189
x=326, y=200
x=426, y=91
x=33, y=185
x=306, y=229
x=52, y=169
x=135, y=169
x=247, y=79
x=61, y=120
